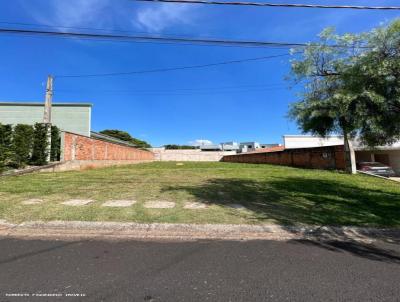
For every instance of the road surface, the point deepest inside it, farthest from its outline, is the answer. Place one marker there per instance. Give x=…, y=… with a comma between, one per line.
x=197, y=271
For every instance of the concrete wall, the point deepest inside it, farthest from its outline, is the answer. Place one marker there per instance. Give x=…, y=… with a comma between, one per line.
x=66, y=116
x=78, y=147
x=189, y=155
x=331, y=157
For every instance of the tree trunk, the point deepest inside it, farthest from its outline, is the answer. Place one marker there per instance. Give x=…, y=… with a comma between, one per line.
x=350, y=156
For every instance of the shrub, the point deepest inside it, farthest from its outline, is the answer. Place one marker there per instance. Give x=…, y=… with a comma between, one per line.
x=179, y=147
x=5, y=145
x=55, y=149
x=22, y=142
x=40, y=144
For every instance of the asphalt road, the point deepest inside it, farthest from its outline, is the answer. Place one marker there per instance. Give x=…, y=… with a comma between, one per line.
x=198, y=271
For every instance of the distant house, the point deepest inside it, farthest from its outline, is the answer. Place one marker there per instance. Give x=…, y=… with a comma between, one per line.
x=70, y=117
x=254, y=146
x=227, y=146
x=389, y=155
x=237, y=147
x=230, y=146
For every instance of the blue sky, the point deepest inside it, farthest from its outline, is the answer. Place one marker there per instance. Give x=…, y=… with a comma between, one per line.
x=240, y=102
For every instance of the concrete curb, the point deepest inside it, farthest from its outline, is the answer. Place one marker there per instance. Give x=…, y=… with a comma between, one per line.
x=31, y=169
x=73, y=230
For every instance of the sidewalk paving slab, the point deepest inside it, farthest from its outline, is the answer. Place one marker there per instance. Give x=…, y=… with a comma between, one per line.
x=77, y=202
x=236, y=206
x=119, y=203
x=159, y=204
x=32, y=201
x=195, y=206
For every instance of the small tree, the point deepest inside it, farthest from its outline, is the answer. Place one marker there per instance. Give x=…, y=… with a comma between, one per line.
x=5, y=145
x=22, y=145
x=40, y=144
x=179, y=147
x=55, y=144
x=125, y=136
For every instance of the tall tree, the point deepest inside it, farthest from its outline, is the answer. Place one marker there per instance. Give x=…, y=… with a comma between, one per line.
x=5, y=145
x=40, y=144
x=352, y=88
x=22, y=145
x=125, y=136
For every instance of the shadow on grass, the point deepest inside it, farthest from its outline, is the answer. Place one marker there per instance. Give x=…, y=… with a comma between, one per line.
x=296, y=200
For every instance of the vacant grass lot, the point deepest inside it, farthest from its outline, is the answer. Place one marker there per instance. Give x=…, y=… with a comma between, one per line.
x=270, y=193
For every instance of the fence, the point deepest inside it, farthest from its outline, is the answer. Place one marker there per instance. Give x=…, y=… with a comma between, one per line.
x=331, y=157
x=79, y=147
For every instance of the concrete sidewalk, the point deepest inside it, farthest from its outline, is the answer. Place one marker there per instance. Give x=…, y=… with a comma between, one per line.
x=160, y=231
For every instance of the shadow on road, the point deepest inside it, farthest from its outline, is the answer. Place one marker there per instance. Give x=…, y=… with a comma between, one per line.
x=52, y=247
x=359, y=249
x=293, y=201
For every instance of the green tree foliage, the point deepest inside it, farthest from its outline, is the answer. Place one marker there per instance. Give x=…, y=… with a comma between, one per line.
x=55, y=149
x=179, y=147
x=5, y=145
x=352, y=89
x=22, y=143
x=40, y=144
x=125, y=136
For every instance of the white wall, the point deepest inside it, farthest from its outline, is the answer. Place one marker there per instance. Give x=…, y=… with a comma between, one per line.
x=189, y=155
x=305, y=141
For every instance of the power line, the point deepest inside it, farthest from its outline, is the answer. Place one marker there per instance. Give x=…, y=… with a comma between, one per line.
x=169, y=69
x=180, y=93
x=287, y=5
x=262, y=86
x=56, y=26
x=161, y=39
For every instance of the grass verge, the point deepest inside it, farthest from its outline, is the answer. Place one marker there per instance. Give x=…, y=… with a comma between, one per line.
x=276, y=194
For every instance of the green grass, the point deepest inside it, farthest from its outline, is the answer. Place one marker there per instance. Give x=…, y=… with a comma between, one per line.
x=277, y=194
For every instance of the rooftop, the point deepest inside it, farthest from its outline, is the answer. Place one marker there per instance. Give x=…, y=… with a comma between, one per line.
x=42, y=104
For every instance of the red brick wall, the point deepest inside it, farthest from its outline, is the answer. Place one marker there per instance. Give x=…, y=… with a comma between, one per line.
x=331, y=157
x=78, y=147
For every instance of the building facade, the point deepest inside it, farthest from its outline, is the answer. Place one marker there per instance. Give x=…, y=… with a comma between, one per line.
x=70, y=117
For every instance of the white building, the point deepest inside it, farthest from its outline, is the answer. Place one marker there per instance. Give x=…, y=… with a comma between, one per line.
x=308, y=141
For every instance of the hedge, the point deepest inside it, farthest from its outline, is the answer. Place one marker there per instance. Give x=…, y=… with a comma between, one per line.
x=40, y=144
x=55, y=149
x=5, y=146
x=24, y=144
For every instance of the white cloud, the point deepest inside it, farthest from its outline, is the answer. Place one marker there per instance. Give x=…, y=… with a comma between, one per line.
x=157, y=18
x=108, y=14
x=73, y=13
x=201, y=142
x=86, y=11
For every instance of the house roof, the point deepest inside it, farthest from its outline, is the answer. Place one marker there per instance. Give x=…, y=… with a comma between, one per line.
x=42, y=104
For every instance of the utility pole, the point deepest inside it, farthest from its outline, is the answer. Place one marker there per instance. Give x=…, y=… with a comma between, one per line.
x=47, y=112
